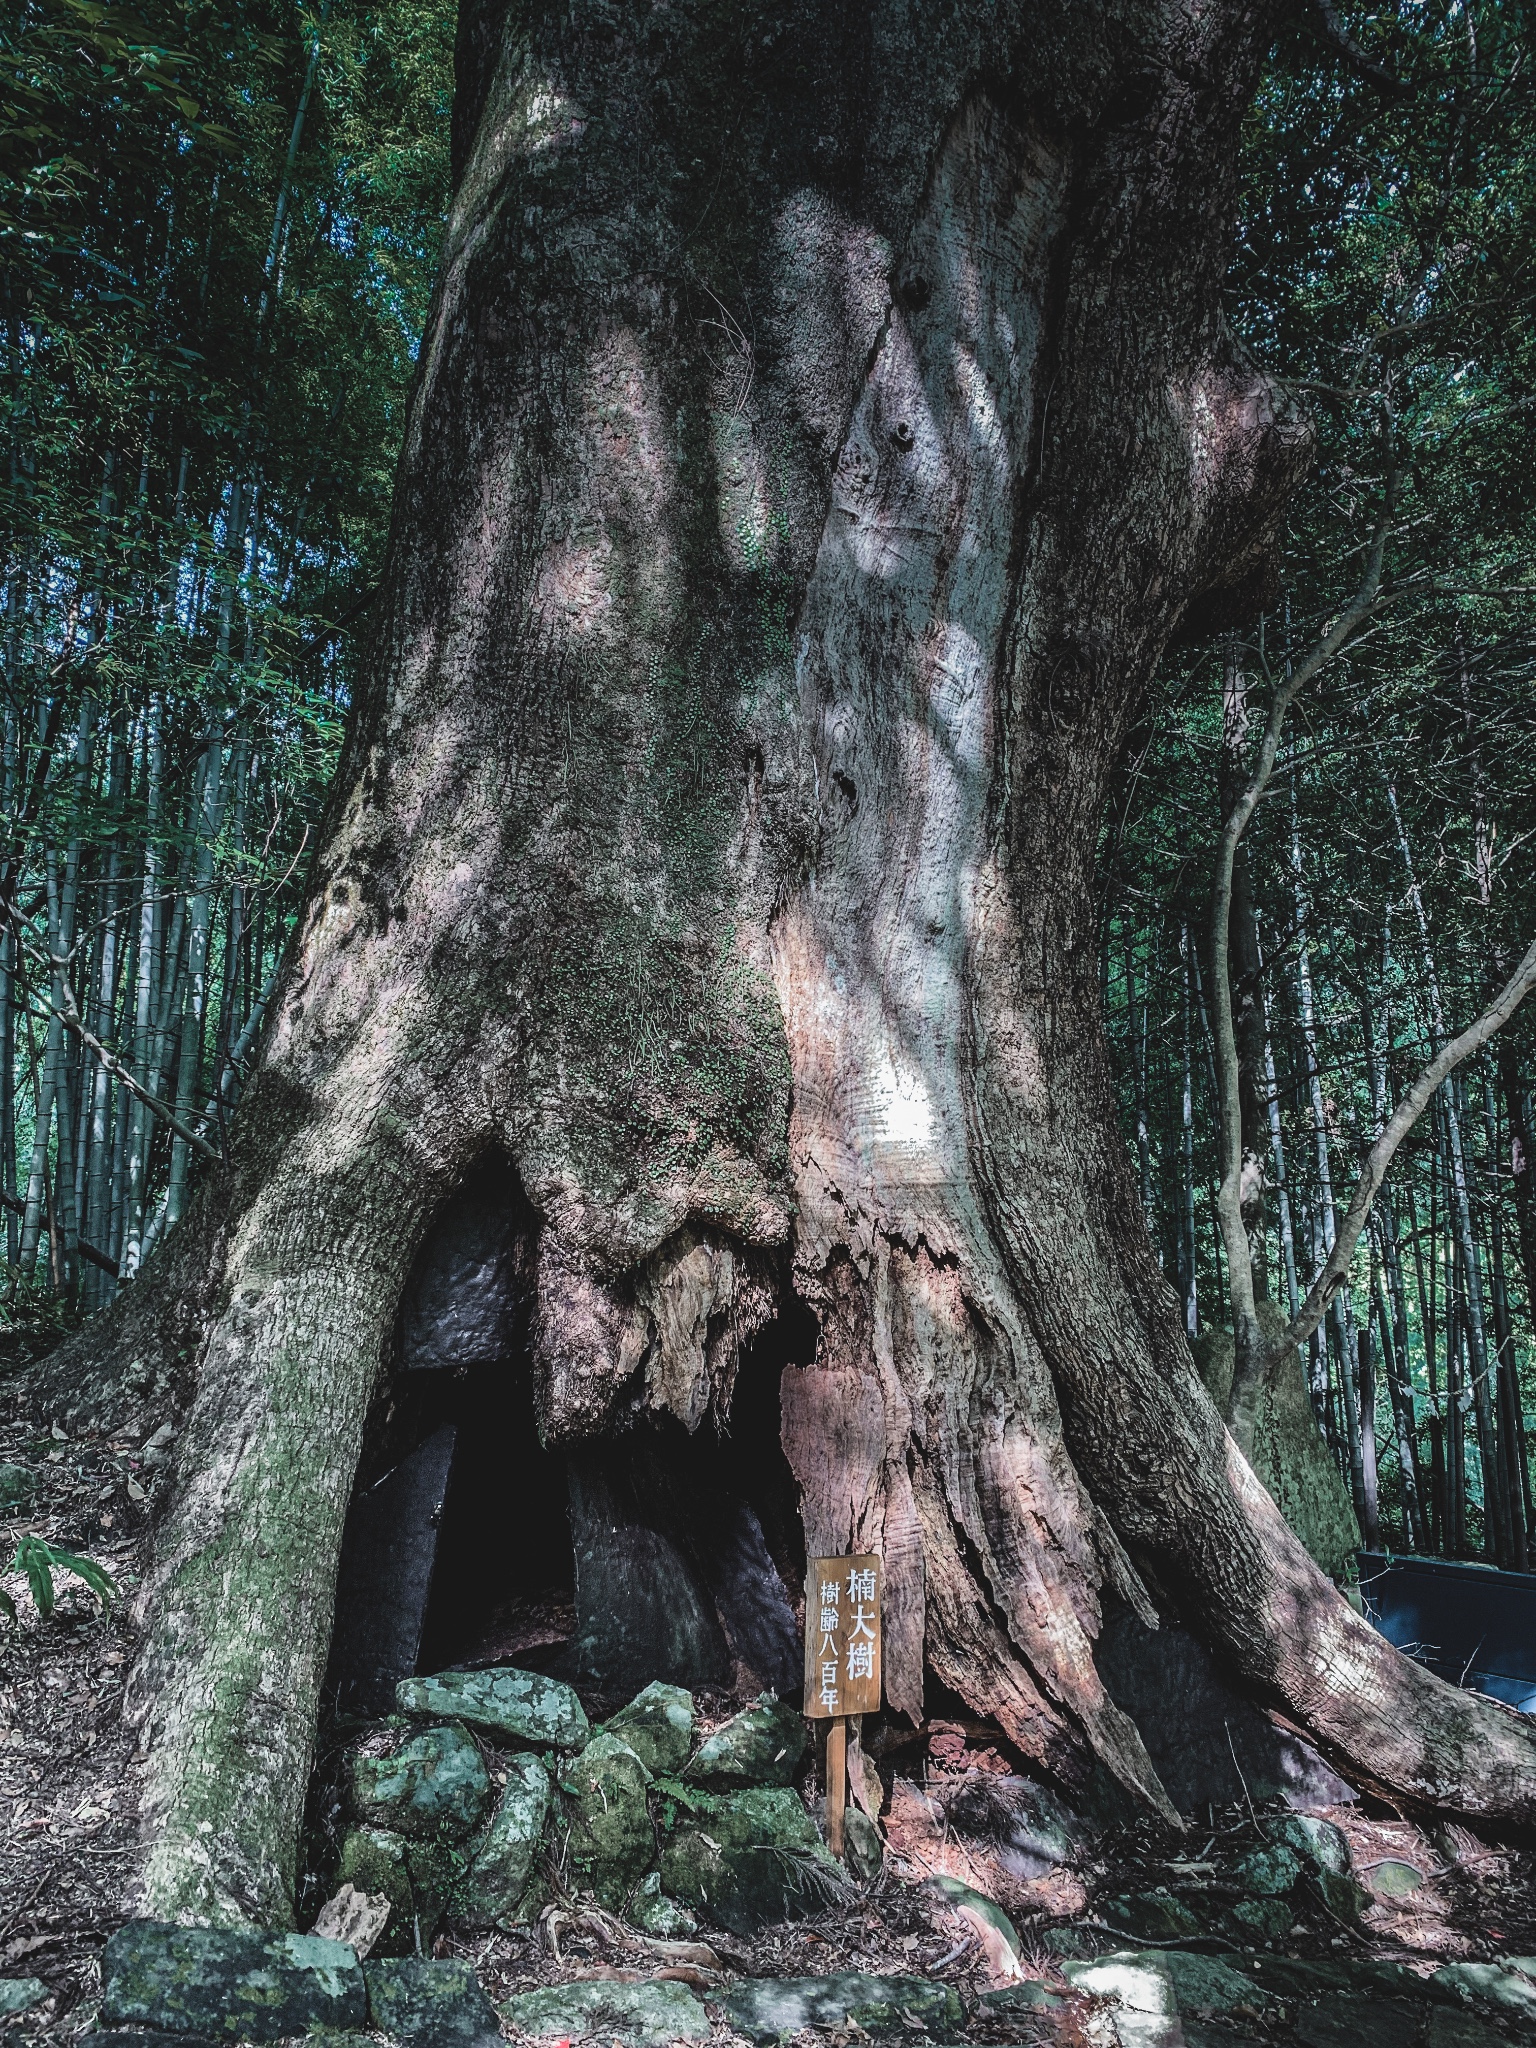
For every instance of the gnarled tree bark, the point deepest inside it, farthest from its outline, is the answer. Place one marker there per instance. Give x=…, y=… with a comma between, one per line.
x=823, y=424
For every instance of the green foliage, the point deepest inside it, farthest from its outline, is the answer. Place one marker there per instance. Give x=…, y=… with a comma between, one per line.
x=37, y=1561
x=1384, y=271
x=218, y=232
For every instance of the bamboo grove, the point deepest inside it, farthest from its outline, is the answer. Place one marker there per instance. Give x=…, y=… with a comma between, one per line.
x=219, y=231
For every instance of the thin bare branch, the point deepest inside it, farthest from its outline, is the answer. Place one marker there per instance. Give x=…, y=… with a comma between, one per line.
x=1402, y=1120
x=1250, y=1364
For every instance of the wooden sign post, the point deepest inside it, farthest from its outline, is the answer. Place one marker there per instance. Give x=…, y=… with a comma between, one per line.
x=842, y=1662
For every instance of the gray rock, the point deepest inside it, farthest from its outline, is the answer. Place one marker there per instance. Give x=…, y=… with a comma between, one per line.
x=658, y=1726
x=762, y=1745
x=507, y=1705
x=654, y=1913
x=1151, y=1916
x=638, y=2015
x=642, y=1609
x=1261, y=1919
x=496, y=1888
x=773, y=2008
x=1268, y=1873
x=465, y=1289
x=612, y=1841
x=20, y=1994
x=434, y=1784
x=18, y=1489
x=234, y=1987
x=746, y=1859
x=1509, y=1984
x=430, y=2005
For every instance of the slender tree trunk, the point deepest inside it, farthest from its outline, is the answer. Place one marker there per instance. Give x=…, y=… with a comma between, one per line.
x=136, y=1192
x=1244, y=965
x=1188, y=1278
x=1497, y=1530
x=1392, y=1332
x=1282, y=1186
x=1136, y=1017
x=1370, y=1498
x=1522, y=1173
x=1340, y=1314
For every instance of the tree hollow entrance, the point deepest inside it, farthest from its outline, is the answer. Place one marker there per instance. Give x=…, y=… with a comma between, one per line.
x=648, y=1552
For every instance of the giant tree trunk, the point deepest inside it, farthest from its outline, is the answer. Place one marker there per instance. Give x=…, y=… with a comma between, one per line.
x=822, y=426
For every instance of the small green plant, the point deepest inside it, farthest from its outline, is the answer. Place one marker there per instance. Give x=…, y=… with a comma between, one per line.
x=39, y=1561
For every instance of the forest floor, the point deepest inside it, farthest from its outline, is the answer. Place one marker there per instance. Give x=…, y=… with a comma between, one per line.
x=69, y=1783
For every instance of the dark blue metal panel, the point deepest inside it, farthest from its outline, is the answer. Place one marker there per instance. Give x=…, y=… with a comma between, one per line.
x=1470, y=1624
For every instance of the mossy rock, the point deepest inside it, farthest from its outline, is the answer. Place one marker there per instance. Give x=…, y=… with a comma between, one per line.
x=424, y=2004
x=1264, y=1919
x=500, y=1888
x=432, y=1785
x=228, y=1986
x=1151, y=1916
x=612, y=1841
x=510, y=1706
x=654, y=1913
x=746, y=1859
x=658, y=1725
x=1268, y=1873
x=419, y=1878
x=18, y=1490
x=637, y=2015
x=762, y=1745
x=1315, y=1841
x=775, y=2008
x=1289, y=1454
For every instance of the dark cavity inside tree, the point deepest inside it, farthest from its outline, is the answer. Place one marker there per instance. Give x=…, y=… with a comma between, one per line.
x=823, y=424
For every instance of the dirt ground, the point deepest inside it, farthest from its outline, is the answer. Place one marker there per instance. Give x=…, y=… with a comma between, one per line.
x=69, y=1787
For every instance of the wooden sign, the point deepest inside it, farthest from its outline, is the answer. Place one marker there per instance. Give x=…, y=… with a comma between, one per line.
x=842, y=1637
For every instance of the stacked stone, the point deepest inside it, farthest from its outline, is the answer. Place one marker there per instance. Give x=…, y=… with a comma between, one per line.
x=639, y=1813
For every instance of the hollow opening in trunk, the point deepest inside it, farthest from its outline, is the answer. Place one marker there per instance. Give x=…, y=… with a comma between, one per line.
x=689, y=1551
x=646, y=1553
x=457, y=1547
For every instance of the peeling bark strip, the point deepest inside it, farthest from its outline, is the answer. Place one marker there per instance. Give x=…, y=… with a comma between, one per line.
x=714, y=837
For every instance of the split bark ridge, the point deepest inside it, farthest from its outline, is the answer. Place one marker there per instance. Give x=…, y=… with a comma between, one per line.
x=813, y=450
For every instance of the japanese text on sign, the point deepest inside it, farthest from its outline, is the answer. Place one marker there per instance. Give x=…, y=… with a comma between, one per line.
x=842, y=1636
